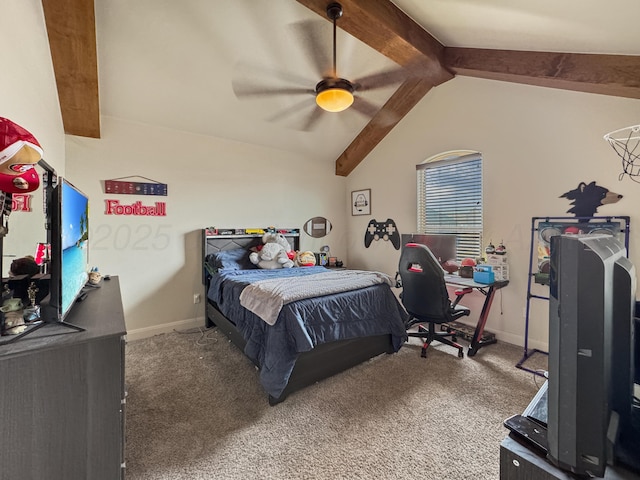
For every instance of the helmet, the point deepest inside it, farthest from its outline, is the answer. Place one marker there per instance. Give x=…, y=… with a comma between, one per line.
x=468, y=262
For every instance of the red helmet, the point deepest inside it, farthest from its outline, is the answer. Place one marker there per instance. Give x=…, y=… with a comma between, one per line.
x=468, y=262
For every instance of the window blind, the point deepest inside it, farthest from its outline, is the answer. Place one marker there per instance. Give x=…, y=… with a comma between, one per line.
x=450, y=201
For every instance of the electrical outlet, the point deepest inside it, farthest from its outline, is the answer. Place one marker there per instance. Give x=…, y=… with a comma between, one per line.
x=196, y=298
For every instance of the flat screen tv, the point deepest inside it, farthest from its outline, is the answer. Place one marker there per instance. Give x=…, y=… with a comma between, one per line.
x=443, y=246
x=69, y=213
x=591, y=413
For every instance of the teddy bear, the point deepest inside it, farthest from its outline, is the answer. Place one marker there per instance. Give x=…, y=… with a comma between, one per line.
x=275, y=252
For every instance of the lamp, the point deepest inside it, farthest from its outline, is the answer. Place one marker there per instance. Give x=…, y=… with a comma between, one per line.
x=334, y=94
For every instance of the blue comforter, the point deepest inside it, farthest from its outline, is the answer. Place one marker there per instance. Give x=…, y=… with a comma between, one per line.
x=304, y=324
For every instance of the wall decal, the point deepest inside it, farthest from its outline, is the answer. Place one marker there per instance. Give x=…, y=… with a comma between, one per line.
x=587, y=199
x=361, y=202
x=382, y=230
x=113, y=207
x=125, y=186
x=317, y=227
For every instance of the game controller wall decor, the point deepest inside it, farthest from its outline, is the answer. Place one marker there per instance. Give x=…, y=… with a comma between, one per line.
x=382, y=230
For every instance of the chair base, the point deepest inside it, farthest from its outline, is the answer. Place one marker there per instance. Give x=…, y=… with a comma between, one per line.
x=429, y=335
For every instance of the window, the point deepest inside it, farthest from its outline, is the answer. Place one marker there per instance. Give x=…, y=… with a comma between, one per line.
x=450, y=199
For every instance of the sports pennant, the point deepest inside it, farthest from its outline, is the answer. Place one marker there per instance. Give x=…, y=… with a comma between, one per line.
x=126, y=186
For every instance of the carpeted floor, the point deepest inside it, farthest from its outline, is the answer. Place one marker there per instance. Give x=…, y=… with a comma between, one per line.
x=195, y=410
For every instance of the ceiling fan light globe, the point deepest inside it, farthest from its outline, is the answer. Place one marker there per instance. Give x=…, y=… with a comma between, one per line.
x=334, y=99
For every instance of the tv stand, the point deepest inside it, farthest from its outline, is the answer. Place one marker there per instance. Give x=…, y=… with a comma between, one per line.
x=521, y=460
x=63, y=396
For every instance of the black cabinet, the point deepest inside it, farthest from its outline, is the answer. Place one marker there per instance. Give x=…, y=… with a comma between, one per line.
x=63, y=396
x=520, y=462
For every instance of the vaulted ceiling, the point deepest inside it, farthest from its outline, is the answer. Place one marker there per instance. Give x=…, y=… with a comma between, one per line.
x=193, y=50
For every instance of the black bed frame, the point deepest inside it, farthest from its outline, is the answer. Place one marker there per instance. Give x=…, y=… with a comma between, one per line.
x=324, y=360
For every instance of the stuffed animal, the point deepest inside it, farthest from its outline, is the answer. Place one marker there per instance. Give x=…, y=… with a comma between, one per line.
x=305, y=259
x=275, y=252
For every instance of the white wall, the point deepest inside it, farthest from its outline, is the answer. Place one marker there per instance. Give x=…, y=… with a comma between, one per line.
x=537, y=143
x=211, y=182
x=28, y=97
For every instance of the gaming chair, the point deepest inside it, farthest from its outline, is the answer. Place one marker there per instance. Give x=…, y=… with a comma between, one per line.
x=425, y=297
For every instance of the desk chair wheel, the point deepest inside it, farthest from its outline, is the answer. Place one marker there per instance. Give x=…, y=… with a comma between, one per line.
x=454, y=337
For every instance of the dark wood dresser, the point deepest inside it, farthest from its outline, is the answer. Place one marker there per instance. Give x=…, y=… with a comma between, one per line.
x=62, y=395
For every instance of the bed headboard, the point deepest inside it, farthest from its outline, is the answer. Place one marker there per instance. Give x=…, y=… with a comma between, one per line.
x=214, y=240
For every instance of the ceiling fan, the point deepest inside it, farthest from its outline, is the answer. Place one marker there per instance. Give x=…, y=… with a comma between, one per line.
x=332, y=93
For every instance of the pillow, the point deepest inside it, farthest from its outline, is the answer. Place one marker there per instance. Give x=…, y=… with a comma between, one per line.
x=235, y=259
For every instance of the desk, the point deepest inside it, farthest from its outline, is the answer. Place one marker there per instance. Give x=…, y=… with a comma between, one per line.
x=488, y=290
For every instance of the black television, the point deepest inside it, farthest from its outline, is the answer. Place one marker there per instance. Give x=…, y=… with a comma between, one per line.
x=443, y=246
x=591, y=411
x=69, y=237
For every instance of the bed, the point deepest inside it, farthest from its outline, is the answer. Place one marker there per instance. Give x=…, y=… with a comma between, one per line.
x=312, y=335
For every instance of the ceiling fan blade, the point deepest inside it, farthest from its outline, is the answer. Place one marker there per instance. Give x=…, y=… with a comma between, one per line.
x=245, y=90
x=364, y=107
x=272, y=81
x=314, y=37
x=294, y=117
x=289, y=111
x=312, y=119
x=381, y=79
x=367, y=108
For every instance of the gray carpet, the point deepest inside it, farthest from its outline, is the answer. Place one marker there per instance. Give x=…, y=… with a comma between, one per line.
x=195, y=410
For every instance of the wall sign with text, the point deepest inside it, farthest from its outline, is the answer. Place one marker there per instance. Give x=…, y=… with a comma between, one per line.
x=114, y=207
x=125, y=186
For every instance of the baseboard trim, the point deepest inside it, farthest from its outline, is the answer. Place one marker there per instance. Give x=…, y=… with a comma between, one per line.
x=140, y=333
x=513, y=339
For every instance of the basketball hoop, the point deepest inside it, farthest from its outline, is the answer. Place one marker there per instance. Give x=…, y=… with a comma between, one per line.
x=626, y=143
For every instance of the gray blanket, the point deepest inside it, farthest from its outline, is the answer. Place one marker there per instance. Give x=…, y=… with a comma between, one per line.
x=265, y=298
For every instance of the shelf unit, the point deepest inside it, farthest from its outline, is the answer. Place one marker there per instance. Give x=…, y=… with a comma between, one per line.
x=589, y=225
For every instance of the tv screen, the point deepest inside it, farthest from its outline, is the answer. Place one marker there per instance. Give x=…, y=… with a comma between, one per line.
x=68, y=208
x=74, y=232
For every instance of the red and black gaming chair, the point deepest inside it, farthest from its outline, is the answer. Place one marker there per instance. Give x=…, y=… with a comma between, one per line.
x=425, y=297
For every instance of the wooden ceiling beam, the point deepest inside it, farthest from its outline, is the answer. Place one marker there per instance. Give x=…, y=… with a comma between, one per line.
x=617, y=75
x=71, y=28
x=387, y=29
x=400, y=103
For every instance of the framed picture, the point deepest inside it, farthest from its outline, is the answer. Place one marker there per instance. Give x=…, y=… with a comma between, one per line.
x=361, y=202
